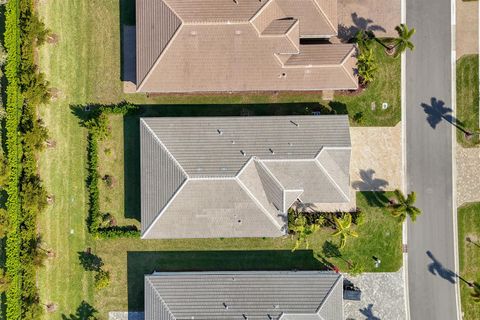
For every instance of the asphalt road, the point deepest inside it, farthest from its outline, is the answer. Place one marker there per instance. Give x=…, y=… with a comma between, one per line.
x=431, y=258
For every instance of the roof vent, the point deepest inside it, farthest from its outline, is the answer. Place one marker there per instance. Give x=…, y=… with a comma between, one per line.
x=293, y=122
x=233, y=141
x=243, y=153
x=244, y=316
x=290, y=144
x=220, y=132
x=193, y=33
x=225, y=305
x=269, y=317
x=271, y=150
x=235, y=1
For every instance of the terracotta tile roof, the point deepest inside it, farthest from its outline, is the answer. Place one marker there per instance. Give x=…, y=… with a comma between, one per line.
x=220, y=45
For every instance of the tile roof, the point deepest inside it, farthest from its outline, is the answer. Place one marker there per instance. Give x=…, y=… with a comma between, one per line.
x=237, y=176
x=226, y=45
x=275, y=295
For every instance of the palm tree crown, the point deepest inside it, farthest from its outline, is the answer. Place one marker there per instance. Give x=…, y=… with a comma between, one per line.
x=405, y=206
x=402, y=42
x=343, y=229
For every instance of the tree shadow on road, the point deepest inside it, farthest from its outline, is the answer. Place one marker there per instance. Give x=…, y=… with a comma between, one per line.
x=436, y=268
x=437, y=111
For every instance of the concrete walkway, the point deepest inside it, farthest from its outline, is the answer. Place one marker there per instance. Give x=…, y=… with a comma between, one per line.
x=468, y=173
x=467, y=27
x=382, y=297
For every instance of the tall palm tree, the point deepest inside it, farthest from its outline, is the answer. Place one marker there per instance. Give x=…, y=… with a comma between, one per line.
x=343, y=229
x=404, y=206
x=402, y=42
x=476, y=292
x=303, y=229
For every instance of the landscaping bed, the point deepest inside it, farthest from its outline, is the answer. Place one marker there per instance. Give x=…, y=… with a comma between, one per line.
x=467, y=99
x=469, y=256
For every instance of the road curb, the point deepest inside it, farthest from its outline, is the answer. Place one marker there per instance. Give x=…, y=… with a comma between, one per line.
x=454, y=147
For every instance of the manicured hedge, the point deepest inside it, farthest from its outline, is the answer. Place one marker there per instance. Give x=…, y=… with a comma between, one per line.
x=97, y=124
x=26, y=88
x=14, y=109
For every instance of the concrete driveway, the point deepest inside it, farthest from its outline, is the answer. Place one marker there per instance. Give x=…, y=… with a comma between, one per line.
x=376, y=163
x=466, y=31
x=380, y=16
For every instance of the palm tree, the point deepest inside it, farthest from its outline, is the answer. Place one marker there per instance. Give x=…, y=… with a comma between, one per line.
x=404, y=206
x=476, y=292
x=402, y=42
x=303, y=229
x=343, y=229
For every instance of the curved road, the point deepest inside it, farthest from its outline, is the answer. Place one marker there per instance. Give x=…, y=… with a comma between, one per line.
x=431, y=254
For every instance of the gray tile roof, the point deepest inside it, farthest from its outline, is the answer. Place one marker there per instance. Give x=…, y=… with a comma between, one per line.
x=220, y=45
x=237, y=176
x=278, y=295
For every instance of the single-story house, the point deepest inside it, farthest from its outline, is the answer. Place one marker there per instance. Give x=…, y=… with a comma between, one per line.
x=240, y=45
x=273, y=295
x=210, y=177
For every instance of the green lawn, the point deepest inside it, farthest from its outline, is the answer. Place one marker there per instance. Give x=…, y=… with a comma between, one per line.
x=469, y=255
x=84, y=68
x=467, y=98
x=129, y=259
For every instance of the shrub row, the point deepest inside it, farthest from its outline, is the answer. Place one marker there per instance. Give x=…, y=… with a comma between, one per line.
x=97, y=124
x=25, y=137
x=14, y=108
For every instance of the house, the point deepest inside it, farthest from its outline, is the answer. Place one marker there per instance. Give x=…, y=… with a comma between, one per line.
x=240, y=45
x=210, y=177
x=275, y=295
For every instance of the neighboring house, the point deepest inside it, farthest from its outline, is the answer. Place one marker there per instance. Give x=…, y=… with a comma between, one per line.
x=238, y=176
x=240, y=45
x=275, y=295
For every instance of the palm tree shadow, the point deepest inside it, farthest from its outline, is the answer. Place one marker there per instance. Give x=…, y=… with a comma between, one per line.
x=437, y=111
x=368, y=312
x=437, y=268
x=368, y=182
x=346, y=33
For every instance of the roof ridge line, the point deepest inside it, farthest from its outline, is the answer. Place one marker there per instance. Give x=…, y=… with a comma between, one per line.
x=260, y=161
x=322, y=304
x=258, y=14
x=262, y=208
x=332, y=180
x=319, y=8
x=164, y=147
x=161, y=299
x=157, y=61
x=165, y=207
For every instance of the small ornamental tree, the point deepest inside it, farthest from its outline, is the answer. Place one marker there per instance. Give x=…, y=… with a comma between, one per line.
x=102, y=279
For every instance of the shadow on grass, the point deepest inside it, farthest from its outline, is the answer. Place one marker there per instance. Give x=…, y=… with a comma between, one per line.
x=84, y=312
x=376, y=198
x=141, y=263
x=132, y=133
